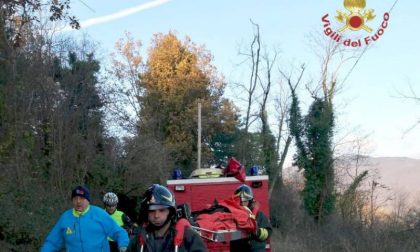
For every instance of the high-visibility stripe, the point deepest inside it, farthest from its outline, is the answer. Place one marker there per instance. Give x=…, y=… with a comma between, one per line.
x=263, y=234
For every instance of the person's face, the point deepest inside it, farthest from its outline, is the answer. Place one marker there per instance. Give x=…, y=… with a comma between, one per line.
x=158, y=217
x=110, y=209
x=244, y=202
x=79, y=203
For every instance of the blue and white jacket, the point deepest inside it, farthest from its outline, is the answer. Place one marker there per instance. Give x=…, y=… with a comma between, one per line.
x=85, y=232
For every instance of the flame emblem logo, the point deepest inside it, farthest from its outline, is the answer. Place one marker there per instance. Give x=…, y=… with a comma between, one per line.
x=357, y=16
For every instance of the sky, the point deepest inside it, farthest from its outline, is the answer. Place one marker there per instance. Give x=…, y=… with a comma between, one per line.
x=369, y=102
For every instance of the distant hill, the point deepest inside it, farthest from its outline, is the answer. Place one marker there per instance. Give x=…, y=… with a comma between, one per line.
x=400, y=174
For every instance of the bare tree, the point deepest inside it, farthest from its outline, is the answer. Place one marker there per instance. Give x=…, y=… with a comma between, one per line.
x=253, y=54
x=410, y=95
x=284, y=139
x=259, y=91
x=375, y=201
x=400, y=209
x=283, y=105
x=123, y=90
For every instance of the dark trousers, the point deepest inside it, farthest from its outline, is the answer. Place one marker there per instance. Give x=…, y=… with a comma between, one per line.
x=113, y=245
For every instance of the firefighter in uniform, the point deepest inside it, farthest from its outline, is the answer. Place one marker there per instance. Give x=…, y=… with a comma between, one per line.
x=256, y=242
x=159, y=229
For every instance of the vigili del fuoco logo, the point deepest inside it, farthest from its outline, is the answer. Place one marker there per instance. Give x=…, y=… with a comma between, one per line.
x=356, y=18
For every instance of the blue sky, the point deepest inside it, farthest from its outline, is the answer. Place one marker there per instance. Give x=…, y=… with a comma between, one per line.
x=368, y=103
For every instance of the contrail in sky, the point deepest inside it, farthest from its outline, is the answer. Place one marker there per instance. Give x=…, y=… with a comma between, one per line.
x=119, y=14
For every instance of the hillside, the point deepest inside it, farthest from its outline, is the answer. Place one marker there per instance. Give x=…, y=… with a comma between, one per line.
x=400, y=175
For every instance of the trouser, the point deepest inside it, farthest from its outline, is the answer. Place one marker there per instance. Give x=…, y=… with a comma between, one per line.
x=113, y=245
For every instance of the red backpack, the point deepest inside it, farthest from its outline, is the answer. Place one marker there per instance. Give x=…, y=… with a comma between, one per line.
x=235, y=169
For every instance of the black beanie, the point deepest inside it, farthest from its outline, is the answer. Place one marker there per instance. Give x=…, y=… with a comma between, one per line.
x=80, y=191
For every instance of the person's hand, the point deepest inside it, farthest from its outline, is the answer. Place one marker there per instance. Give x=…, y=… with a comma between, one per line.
x=122, y=249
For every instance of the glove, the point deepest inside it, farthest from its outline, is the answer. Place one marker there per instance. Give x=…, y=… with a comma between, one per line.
x=262, y=234
x=122, y=249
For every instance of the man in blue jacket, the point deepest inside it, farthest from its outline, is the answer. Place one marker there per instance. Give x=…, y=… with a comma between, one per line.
x=84, y=228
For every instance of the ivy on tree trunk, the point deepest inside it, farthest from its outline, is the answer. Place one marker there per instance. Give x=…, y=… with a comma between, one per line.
x=313, y=135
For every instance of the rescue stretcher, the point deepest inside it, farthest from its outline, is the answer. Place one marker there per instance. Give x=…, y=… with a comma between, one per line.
x=221, y=235
x=217, y=241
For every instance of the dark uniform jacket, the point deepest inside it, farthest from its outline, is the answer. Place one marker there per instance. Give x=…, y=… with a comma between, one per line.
x=254, y=243
x=191, y=243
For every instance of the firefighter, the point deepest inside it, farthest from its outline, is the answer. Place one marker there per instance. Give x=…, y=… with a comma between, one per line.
x=160, y=229
x=257, y=241
x=110, y=200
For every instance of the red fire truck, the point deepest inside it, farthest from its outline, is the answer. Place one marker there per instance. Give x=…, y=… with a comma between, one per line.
x=200, y=193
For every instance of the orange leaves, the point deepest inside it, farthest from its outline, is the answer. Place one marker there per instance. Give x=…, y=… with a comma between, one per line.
x=127, y=61
x=176, y=75
x=171, y=62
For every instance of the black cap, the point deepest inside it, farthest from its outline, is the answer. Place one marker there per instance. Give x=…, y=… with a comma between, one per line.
x=80, y=191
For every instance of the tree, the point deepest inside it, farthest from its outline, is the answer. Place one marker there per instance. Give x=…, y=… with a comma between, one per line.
x=178, y=75
x=122, y=88
x=51, y=132
x=284, y=138
x=411, y=95
x=254, y=56
x=162, y=110
x=51, y=137
x=351, y=156
x=262, y=148
x=16, y=21
x=349, y=201
x=313, y=135
x=80, y=118
x=16, y=16
x=269, y=149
